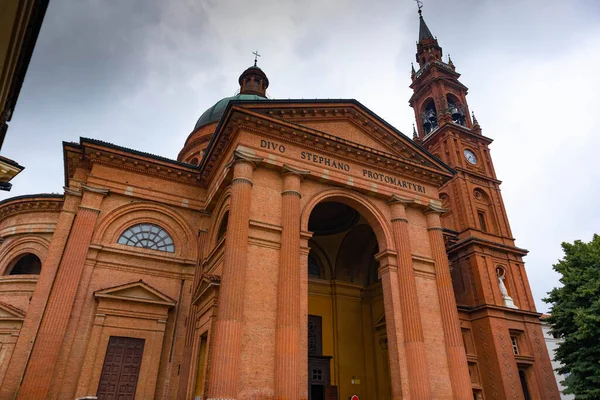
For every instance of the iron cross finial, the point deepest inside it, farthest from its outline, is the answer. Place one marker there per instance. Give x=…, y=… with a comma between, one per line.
x=256, y=55
x=419, y=5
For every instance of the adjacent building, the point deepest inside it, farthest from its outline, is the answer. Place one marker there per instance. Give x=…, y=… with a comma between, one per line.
x=552, y=343
x=20, y=23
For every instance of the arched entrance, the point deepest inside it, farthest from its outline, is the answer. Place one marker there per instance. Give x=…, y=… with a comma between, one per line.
x=347, y=340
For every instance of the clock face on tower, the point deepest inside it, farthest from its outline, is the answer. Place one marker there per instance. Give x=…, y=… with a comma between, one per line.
x=470, y=156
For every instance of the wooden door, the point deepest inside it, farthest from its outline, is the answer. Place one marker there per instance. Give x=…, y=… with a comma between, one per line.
x=121, y=369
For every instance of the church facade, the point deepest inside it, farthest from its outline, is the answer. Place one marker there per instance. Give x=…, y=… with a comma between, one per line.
x=296, y=249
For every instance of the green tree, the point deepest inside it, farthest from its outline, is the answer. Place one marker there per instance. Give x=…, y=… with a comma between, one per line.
x=576, y=317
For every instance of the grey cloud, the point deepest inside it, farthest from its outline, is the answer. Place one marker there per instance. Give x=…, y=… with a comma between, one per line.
x=139, y=73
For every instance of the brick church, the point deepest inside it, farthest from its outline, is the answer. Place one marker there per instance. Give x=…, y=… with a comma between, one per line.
x=296, y=249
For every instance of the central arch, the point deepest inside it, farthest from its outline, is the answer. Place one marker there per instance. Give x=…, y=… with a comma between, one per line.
x=373, y=215
x=346, y=327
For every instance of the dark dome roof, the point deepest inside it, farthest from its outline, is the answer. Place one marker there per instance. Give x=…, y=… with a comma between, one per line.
x=215, y=113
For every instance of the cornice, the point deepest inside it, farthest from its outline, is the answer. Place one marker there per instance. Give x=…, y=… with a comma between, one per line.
x=30, y=204
x=462, y=129
x=146, y=167
x=96, y=152
x=472, y=240
x=494, y=307
x=470, y=174
x=421, y=87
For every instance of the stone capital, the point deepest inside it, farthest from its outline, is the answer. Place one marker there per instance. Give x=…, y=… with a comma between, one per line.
x=71, y=191
x=97, y=190
x=244, y=156
x=395, y=199
x=387, y=258
x=288, y=169
x=434, y=208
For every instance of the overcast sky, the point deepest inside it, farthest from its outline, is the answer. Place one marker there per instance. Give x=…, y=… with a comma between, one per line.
x=138, y=73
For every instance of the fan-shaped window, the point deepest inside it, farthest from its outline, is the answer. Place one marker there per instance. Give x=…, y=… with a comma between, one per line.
x=25, y=264
x=148, y=236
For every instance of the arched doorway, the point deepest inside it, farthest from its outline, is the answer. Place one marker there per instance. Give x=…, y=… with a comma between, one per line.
x=347, y=340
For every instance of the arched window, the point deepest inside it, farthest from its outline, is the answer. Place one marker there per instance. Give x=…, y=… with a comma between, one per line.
x=223, y=227
x=148, y=236
x=25, y=264
x=429, y=118
x=456, y=109
x=314, y=269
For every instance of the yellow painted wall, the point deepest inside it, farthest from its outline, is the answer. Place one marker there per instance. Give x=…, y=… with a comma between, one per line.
x=350, y=336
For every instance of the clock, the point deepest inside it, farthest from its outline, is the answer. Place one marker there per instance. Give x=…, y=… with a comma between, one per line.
x=470, y=156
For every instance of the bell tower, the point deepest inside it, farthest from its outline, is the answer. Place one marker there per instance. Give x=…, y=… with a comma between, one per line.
x=499, y=323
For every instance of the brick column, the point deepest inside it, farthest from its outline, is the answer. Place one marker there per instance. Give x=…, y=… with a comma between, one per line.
x=414, y=342
x=227, y=342
x=388, y=270
x=287, y=335
x=44, y=356
x=455, y=351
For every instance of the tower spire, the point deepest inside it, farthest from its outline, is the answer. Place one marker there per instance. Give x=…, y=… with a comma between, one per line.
x=427, y=47
x=424, y=32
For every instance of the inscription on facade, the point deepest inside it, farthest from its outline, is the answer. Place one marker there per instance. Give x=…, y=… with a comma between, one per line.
x=267, y=144
x=318, y=159
x=315, y=158
x=392, y=180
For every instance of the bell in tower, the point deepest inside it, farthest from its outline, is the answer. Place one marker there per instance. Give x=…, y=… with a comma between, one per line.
x=456, y=110
x=429, y=117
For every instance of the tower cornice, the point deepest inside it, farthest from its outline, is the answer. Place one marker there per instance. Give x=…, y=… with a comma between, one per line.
x=428, y=139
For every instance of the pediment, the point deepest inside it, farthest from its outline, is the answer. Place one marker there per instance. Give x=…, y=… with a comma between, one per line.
x=207, y=282
x=10, y=313
x=138, y=291
x=351, y=122
x=380, y=322
x=343, y=126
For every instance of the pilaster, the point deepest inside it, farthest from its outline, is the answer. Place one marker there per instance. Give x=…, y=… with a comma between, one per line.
x=388, y=270
x=455, y=351
x=414, y=342
x=44, y=356
x=16, y=368
x=224, y=371
x=287, y=336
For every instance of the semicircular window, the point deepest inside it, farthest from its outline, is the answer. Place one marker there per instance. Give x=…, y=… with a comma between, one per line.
x=147, y=236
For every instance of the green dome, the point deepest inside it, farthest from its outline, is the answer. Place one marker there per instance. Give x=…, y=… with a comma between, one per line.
x=215, y=113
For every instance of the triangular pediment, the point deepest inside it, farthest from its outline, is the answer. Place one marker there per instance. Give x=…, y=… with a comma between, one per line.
x=206, y=284
x=138, y=291
x=10, y=313
x=345, y=126
x=380, y=321
x=350, y=122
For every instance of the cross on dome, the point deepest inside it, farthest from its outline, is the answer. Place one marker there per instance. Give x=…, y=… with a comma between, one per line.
x=256, y=55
